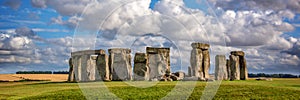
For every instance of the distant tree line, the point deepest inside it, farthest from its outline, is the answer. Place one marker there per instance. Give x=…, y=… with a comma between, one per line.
x=273, y=75
x=42, y=72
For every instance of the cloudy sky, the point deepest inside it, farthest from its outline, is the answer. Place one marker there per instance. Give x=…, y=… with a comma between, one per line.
x=41, y=34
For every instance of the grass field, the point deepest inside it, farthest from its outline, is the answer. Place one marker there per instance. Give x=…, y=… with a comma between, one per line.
x=251, y=89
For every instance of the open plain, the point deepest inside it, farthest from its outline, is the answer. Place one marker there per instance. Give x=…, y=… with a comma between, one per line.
x=278, y=89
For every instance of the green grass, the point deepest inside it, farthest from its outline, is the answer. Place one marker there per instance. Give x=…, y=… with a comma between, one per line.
x=239, y=90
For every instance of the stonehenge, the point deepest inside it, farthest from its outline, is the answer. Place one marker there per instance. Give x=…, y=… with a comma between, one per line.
x=120, y=64
x=83, y=66
x=153, y=65
x=71, y=76
x=141, y=68
x=234, y=68
x=238, y=67
x=102, y=66
x=159, y=62
x=220, y=68
x=200, y=60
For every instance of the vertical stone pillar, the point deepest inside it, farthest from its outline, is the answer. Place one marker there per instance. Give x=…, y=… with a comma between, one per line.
x=243, y=67
x=102, y=66
x=71, y=76
x=189, y=71
x=76, y=62
x=234, y=67
x=197, y=63
x=200, y=60
x=159, y=61
x=84, y=65
x=141, y=69
x=238, y=66
x=120, y=64
x=206, y=63
x=220, y=67
x=91, y=67
x=228, y=68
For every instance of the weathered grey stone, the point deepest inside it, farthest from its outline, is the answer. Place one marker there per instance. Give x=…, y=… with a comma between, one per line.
x=220, y=68
x=237, y=53
x=206, y=63
x=180, y=75
x=238, y=66
x=243, y=68
x=168, y=77
x=71, y=76
x=140, y=58
x=189, y=71
x=200, y=60
x=76, y=61
x=202, y=46
x=120, y=64
x=196, y=63
x=141, y=69
x=228, y=68
x=174, y=77
x=91, y=68
x=234, y=67
x=159, y=61
x=102, y=66
x=88, y=52
x=84, y=65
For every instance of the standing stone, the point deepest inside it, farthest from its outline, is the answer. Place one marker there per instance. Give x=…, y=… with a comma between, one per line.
x=120, y=64
x=243, y=67
x=141, y=69
x=159, y=62
x=102, y=66
x=84, y=68
x=228, y=68
x=206, y=63
x=238, y=65
x=234, y=67
x=71, y=71
x=220, y=68
x=91, y=67
x=180, y=75
x=84, y=65
x=189, y=71
x=200, y=60
x=76, y=62
x=197, y=63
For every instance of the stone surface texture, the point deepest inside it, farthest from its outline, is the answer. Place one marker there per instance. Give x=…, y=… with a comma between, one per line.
x=200, y=60
x=189, y=71
x=238, y=66
x=234, y=67
x=120, y=64
x=228, y=68
x=71, y=76
x=159, y=62
x=220, y=67
x=85, y=65
x=102, y=66
x=141, y=69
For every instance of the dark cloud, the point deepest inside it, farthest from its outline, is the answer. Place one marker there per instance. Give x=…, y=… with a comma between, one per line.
x=25, y=31
x=39, y=3
x=14, y=4
x=277, y=5
x=295, y=50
